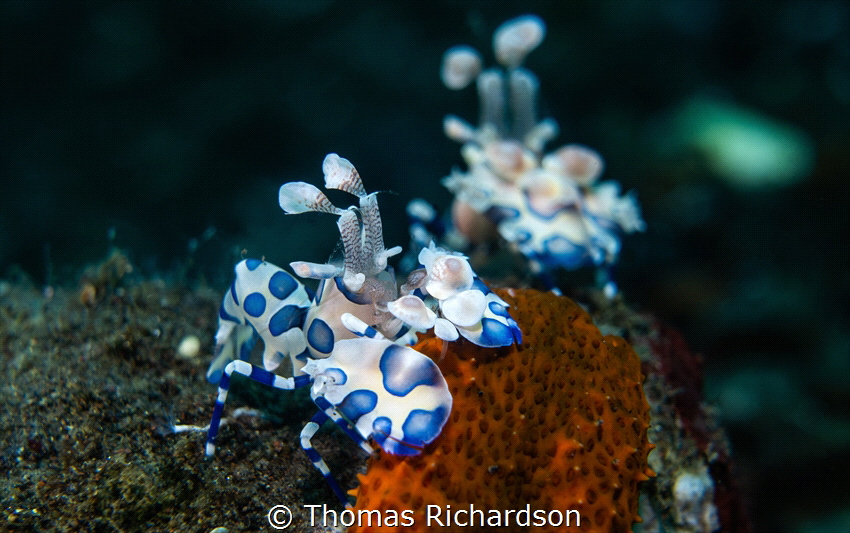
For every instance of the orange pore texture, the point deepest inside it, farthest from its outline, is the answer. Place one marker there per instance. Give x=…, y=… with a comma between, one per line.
x=558, y=423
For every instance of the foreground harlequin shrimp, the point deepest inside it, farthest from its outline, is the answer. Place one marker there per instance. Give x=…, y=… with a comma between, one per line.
x=348, y=340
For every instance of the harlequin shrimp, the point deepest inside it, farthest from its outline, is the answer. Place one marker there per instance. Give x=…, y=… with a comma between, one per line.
x=348, y=341
x=550, y=207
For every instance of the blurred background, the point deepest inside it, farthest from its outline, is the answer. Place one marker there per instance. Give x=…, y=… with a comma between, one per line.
x=165, y=128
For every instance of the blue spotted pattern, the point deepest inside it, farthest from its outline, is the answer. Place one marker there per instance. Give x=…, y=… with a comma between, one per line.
x=403, y=373
x=381, y=429
x=281, y=285
x=421, y=426
x=498, y=309
x=287, y=317
x=264, y=301
x=320, y=336
x=338, y=375
x=255, y=304
x=357, y=403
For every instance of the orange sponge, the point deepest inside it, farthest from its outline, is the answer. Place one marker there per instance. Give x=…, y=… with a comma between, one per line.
x=542, y=435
